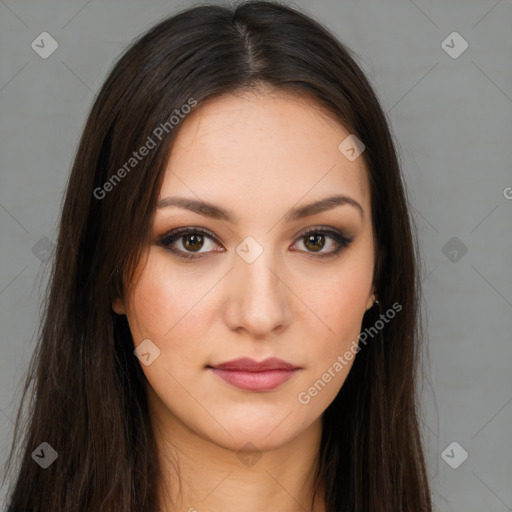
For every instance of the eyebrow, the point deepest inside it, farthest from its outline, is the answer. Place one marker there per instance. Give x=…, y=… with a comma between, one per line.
x=216, y=212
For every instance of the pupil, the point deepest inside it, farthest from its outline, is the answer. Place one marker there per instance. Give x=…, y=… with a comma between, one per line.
x=198, y=241
x=314, y=240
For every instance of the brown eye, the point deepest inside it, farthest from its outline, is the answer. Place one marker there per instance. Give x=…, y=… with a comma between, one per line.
x=188, y=243
x=315, y=242
x=192, y=241
x=324, y=242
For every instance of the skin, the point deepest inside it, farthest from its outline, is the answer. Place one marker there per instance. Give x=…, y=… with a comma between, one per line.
x=257, y=154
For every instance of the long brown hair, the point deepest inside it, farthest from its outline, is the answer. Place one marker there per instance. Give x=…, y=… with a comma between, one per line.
x=86, y=387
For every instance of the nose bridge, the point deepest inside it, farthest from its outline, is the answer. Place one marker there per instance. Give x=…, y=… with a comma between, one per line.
x=260, y=274
x=259, y=297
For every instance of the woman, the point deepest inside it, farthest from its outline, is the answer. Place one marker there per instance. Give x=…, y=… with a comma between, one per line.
x=232, y=320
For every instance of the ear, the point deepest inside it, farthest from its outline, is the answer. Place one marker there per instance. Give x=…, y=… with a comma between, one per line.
x=371, y=298
x=118, y=306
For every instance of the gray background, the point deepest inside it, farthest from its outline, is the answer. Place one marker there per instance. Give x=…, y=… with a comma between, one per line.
x=452, y=120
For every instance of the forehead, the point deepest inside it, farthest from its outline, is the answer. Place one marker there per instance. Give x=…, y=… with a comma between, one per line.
x=260, y=147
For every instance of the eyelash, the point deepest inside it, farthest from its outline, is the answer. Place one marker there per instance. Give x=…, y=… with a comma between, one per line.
x=172, y=236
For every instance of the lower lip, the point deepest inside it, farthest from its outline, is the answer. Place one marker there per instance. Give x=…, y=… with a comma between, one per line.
x=255, y=381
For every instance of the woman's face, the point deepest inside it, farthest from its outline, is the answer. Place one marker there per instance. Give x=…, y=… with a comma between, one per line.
x=251, y=283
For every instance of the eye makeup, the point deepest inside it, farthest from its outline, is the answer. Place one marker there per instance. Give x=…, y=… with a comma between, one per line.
x=194, y=235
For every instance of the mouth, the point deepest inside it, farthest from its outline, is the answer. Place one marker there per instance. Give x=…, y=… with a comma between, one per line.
x=251, y=375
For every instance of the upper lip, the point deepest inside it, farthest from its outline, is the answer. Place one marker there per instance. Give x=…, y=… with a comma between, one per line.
x=250, y=365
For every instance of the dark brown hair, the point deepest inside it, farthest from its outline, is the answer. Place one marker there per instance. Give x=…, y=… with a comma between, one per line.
x=90, y=404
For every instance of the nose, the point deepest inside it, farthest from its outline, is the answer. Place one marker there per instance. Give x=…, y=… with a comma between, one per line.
x=257, y=297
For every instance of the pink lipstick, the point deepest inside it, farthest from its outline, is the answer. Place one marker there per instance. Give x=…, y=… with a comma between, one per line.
x=251, y=375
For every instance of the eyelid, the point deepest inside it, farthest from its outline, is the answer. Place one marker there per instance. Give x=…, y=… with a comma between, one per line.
x=174, y=234
x=336, y=234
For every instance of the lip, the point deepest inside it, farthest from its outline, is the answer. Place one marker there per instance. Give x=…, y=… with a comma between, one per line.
x=251, y=375
x=250, y=365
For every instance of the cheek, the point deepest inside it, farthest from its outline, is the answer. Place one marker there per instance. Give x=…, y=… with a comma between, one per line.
x=344, y=304
x=168, y=300
x=170, y=306
x=341, y=304
x=342, y=298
